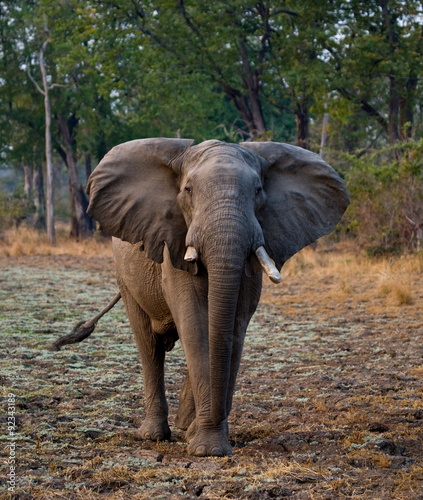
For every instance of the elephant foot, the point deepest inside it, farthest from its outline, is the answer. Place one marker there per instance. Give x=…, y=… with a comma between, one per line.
x=208, y=441
x=155, y=430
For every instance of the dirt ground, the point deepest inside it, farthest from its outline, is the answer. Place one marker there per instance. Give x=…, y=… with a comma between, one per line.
x=329, y=402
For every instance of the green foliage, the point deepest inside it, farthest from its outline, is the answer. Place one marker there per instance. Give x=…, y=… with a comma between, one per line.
x=378, y=65
x=386, y=189
x=226, y=70
x=14, y=208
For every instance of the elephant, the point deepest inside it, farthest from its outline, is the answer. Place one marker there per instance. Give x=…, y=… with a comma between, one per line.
x=193, y=227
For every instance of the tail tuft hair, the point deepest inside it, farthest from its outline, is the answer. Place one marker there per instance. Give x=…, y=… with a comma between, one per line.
x=78, y=334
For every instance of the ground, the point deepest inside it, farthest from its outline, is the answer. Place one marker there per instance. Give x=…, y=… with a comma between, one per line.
x=328, y=404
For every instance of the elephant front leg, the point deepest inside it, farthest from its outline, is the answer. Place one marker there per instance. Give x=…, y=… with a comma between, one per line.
x=199, y=437
x=203, y=437
x=152, y=349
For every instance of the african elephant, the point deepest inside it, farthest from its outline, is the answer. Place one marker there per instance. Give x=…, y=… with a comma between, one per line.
x=193, y=225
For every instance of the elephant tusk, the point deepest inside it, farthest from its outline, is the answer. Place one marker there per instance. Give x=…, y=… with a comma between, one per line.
x=191, y=254
x=268, y=265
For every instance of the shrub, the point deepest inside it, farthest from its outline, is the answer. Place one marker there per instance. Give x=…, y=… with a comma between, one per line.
x=386, y=188
x=14, y=209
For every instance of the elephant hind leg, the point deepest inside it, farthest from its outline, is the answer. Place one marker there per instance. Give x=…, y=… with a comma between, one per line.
x=186, y=411
x=152, y=350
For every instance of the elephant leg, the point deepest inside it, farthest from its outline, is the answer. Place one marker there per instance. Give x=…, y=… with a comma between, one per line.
x=204, y=438
x=186, y=411
x=152, y=349
x=186, y=296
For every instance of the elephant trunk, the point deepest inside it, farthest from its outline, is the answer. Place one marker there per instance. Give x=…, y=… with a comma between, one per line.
x=225, y=270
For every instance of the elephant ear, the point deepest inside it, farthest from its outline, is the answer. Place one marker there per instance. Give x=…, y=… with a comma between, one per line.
x=133, y=196
x=306, y=198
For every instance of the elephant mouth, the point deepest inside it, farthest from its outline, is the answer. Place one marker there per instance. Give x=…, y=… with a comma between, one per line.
x=266, y=263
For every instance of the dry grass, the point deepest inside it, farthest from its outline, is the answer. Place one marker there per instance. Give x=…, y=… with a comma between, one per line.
x=346, y=260
x=346, y=274
x=22, y=240
x=398, y=293
x=392, y=277
x=338, y=274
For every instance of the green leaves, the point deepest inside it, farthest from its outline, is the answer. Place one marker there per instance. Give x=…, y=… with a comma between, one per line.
x=138, y=68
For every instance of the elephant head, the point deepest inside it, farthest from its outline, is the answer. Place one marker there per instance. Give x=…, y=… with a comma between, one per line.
x=214, y=205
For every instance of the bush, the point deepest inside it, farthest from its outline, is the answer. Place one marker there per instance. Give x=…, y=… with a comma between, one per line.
x=386, y=188
x=14, y=209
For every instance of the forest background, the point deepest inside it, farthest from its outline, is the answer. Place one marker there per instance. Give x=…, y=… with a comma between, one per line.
x=340, y=77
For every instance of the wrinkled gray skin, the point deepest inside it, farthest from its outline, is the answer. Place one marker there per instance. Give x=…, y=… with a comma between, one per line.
x=158, y=196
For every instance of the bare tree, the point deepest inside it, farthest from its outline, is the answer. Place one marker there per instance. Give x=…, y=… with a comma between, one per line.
x=51, y=233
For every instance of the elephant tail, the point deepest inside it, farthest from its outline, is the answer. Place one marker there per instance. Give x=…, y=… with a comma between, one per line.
x=83, y=329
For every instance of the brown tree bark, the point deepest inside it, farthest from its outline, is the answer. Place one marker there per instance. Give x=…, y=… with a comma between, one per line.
x=44, y=209
x=88, y=165
x=249, y=109
x=256, y=124
x=302, y=123
x=82, y=226
x=27, y=183
x=51, y=232
x=39, y=217
x=406, y=103
x=394, y=91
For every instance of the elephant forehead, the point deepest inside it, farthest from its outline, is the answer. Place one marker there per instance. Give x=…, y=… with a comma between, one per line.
x=224, y=169
x=218, y=155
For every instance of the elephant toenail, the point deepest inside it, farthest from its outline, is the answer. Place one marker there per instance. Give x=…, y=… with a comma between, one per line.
x=217, y=451
x=201, y=451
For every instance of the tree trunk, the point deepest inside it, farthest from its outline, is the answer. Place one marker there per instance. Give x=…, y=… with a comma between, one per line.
x=251, y=81
x=407, y=103
x=82, y=226
x=302, y=123
x=249, y=109
x=27, y=184
x=257, y=112
x=39, y=217
x=51, y=233
x=394, y=111
x=324, y=134
x=391, y=34
x=88, y=165
x=251, y=113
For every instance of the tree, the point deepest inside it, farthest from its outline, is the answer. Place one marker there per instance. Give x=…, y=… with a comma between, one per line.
x=378, y=60
x=298, y=65
x=21, y=112
x=251, y=69
x=82, y=225
x=268, y=60
x=45, y=91
x=225, y=44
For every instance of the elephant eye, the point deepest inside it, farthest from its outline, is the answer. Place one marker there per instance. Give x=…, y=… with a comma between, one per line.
x=259, y=190
x=188, y=189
